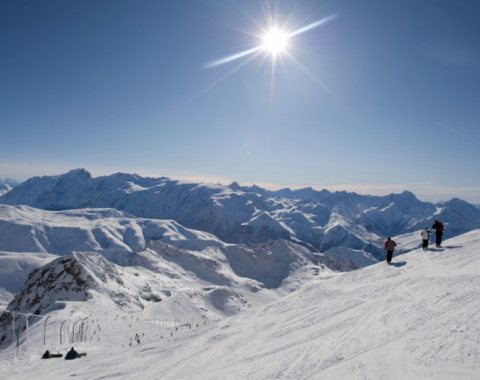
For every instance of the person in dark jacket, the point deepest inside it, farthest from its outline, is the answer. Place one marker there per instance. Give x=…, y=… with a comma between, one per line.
x=390, y=247
x=438, y=227
x=72, y=354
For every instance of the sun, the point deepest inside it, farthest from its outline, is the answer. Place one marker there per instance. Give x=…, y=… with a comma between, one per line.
x=275, y=41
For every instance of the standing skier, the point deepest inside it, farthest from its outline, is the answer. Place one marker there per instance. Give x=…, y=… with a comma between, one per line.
x=425, y=237
x=438, y=227
x=390, y=247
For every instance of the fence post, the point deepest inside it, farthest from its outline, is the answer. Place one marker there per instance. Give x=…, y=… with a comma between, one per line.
x=81, y=332
x=61, y=331
x=27, y=326
x=72, y=338
x=45, y=330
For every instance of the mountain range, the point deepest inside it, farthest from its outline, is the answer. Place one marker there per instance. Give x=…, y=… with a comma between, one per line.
x=123, y=253
x=319, y=220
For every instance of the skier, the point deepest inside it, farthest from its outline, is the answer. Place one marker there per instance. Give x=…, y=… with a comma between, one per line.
x=425, y=237
x=390, y=247
x=438, y=227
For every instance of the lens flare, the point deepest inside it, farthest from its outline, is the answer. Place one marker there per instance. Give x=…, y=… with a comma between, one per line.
x=275, y=41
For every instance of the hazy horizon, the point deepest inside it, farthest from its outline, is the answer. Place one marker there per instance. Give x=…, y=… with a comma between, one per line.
x=423, y=191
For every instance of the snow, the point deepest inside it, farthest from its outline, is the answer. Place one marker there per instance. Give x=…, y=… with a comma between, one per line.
x=15, y=268
x=416, y=319
x=247, y=215
x=158, y=245
x=178, y=280
x=27, y=229
x=4, y=188
x=356, y=259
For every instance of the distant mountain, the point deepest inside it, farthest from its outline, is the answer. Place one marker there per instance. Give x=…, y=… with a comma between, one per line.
x=320, y=220
x=33, y=237
x=6, y=185
x=4, y=189
x=9, y=181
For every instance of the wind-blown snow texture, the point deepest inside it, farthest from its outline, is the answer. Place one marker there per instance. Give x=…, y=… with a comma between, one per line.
x=416, y=319
x=235, y=214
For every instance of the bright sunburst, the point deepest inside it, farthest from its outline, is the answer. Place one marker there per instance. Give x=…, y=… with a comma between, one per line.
x=275, y=41
x=275, y=44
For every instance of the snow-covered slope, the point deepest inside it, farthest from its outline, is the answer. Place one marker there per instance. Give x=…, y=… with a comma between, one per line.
x=416, y=319
x=115, y=234
x=27, y=229
x=160, y=257
x=4, y=189
x=15, y=268
x=237, y=214
x=6, y=185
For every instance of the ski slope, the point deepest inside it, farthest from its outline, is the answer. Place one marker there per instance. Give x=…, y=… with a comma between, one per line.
x=416, y=319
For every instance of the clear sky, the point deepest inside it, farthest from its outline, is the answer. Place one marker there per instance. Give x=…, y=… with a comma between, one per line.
x=383, y=97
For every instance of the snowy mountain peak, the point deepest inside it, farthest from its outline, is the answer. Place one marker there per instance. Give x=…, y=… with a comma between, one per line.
x=404, y=196
x=235, y=186
x=232, y=212
x=78, y=174
x=68, y=278
x=62, y=279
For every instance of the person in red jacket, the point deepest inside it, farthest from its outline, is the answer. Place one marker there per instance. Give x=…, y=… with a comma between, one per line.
x=438, y=227
x=390, y=247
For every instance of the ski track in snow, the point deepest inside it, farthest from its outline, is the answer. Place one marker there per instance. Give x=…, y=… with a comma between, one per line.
x=418, y=320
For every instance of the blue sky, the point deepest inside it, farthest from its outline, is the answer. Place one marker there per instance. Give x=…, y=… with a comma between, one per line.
x=390, y=101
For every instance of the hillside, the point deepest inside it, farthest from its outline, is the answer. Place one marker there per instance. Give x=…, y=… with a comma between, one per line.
x=158, y=245
x=416, y=319
x=236, y=214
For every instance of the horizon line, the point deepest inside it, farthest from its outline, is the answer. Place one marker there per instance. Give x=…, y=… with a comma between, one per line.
x=425, y=191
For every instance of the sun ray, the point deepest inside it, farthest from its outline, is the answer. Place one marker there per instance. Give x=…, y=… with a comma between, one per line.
x=289, y=14
x=246, y=15
x=311, y=26
x=324, y=86
x=231, y=72
x=273, y=42
x=272, y=80
x=232, y=57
